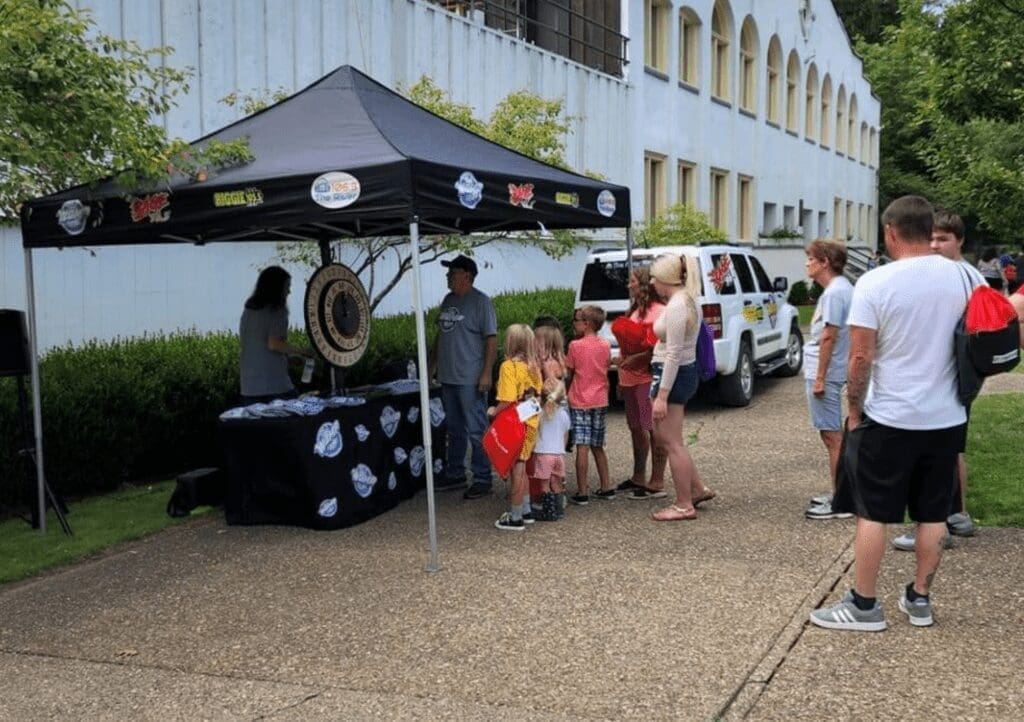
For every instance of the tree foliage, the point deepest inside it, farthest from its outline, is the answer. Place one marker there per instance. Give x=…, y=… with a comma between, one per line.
x=866, y=19
x=950, y=77
x=678, y=225
x=76, y=104
x=523, y=121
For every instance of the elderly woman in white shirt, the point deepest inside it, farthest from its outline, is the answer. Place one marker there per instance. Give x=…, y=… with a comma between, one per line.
x=674, y=365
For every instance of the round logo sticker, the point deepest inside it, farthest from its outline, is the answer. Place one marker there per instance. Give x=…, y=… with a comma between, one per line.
x=335, y=190
x=72, y=215
x=606, y=203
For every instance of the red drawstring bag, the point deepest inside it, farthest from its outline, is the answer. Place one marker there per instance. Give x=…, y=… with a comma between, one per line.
x=986, y=340
x=633, y=336
x=988, y=310
x=504, y=440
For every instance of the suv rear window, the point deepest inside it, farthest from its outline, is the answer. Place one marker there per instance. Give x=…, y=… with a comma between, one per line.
x=605, y=281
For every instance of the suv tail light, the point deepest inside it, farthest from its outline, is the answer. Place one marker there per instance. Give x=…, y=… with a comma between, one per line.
x=713, y=318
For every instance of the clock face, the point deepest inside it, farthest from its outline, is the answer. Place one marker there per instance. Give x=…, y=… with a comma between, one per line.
x=337, y=314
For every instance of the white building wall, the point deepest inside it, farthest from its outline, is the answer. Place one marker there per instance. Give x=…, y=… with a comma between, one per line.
x=251, y=46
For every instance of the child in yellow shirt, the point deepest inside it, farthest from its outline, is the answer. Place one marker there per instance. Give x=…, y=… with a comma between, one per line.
x=519, y=378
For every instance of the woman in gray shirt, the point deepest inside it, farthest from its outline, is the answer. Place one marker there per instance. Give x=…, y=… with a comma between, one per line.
x=263, y=333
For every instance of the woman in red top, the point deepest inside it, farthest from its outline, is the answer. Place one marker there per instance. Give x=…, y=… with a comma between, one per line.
x=634, y=362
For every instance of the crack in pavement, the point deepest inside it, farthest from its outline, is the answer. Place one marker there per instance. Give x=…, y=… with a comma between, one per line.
x=742, y=701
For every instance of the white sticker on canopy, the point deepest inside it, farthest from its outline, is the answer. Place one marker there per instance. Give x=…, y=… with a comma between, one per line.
x=335, y=190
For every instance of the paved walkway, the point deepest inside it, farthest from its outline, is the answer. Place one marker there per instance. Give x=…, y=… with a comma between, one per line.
x=606, y=615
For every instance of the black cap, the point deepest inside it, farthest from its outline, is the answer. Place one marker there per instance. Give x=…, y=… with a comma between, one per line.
x=463, y=263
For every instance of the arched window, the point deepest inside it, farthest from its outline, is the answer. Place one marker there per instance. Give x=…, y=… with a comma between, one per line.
x=863, y=142
x=793, y=92
x=873, y=150
x=810, y=101
x=774, y=80
x=689, y=47
x=656, y=35
x=851, y=136
x=826, y=111
x=841, y=119
x=748, y=65
x=721, y=37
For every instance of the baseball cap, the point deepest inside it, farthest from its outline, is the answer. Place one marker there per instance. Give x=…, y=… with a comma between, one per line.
x=463, y=263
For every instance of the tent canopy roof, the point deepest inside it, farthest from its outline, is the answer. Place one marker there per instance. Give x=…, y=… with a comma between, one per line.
x=346, y=156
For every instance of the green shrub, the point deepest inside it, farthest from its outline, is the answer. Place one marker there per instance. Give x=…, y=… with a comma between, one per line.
x=801, y=294
x=133, y=409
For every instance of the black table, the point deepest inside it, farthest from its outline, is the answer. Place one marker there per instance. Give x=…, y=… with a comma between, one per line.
x=292, y=470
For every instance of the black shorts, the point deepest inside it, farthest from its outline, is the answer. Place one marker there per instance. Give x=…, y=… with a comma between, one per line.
x=885, y=472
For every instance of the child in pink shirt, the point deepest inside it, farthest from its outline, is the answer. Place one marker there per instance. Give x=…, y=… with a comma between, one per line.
x=587, y=362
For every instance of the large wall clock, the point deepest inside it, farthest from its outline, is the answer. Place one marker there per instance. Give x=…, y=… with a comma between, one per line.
x=337, y=314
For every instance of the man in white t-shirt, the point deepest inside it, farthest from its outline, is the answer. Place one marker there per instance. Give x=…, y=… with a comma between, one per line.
x=948, y=241
x=904, y=414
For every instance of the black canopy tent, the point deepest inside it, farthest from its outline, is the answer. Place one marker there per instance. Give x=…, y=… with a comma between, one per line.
x=345, y=157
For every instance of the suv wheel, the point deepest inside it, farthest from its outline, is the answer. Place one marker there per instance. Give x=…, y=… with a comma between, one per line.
x=794, y=353
x=737, y=389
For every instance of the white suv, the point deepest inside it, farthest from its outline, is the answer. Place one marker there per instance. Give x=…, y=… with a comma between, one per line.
x=756, y=331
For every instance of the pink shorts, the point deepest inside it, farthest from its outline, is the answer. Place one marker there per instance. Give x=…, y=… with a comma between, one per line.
x=638, y=406
x=546, y=466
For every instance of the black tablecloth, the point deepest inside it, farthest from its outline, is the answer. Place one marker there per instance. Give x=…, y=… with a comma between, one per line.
x=290, y=470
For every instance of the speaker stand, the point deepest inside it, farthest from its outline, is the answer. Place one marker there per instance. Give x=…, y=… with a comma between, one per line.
x=53, y=500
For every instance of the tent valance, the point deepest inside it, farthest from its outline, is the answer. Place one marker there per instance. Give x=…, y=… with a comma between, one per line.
x=345, y=157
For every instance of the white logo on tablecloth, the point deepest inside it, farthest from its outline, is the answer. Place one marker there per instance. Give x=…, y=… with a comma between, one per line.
x=392, y=481
x=362, y=433
x=400, y=455
x=414, y=413
x=416, y=459
x=389, y=419
x=436, y=412
x=363, y=480
x=328, y=507
x=328, y=440
x=438, y=466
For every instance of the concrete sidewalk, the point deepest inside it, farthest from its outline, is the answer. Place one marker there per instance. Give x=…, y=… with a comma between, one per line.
x=606, y=615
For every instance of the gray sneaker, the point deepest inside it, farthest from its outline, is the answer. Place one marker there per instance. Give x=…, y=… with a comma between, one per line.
x=960, y=524
x=905, y=542
x=844, y=614
x=919, y=611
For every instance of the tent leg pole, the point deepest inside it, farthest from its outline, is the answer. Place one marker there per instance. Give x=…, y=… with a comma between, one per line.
x=629, y=250
x=37, y=412
x=421, y=354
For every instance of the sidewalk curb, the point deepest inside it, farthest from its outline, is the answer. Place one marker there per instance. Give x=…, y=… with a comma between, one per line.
x=745, y=698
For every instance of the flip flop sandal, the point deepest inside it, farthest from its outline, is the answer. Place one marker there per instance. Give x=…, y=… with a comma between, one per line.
x=708, y=495
x=674, y=513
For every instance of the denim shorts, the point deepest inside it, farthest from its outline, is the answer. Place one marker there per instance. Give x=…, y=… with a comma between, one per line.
x=826, y=411
x=683, y=388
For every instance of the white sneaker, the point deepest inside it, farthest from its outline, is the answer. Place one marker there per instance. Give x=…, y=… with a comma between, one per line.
x=905, y=542
x=821, y=499
x=825, y=511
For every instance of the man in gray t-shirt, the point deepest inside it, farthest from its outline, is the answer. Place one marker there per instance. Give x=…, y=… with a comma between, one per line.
x=464, y=361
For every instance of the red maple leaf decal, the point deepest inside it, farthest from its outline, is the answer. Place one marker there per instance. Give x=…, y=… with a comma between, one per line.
x=718, y=274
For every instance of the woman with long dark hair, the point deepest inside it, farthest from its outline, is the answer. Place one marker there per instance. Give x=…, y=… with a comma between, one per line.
x=263, y=333
x=635, y=388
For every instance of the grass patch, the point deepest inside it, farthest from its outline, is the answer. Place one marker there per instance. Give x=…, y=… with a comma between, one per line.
x=98, y=522
x=993, y=461
x=805, y=314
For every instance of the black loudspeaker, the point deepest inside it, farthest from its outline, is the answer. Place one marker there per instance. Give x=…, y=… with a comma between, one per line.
x=14, y=358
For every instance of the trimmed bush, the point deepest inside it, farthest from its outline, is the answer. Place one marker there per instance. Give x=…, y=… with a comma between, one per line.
x=130, y=410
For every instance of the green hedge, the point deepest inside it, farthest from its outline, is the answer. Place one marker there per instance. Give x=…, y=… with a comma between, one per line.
x=131, y=410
